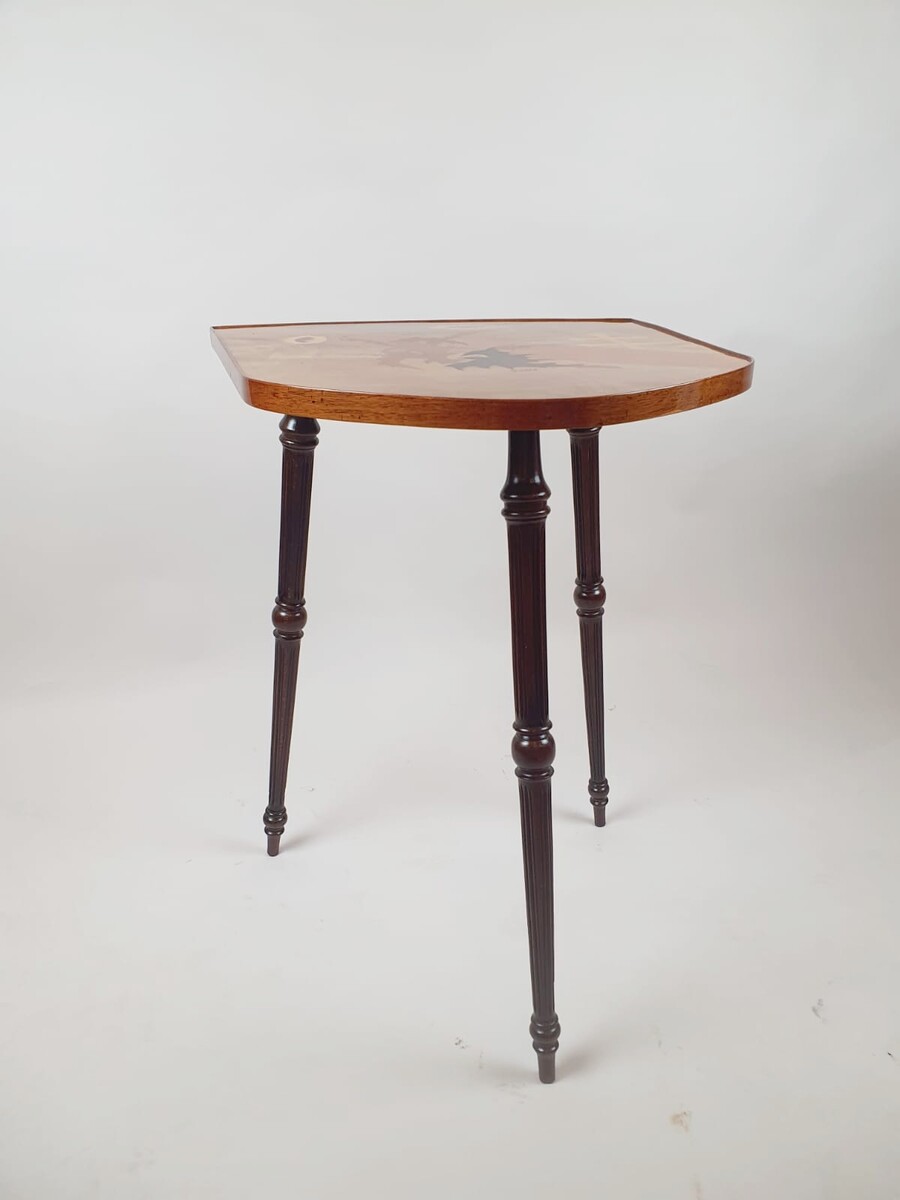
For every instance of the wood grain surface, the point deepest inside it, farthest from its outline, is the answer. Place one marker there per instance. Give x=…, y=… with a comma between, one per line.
x=510, y=374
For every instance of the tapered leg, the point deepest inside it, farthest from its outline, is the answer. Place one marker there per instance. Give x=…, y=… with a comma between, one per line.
x=299, y=437
x=525, y=508
x=590, y=596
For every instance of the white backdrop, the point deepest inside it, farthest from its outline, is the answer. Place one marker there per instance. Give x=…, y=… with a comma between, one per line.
x=730, y=171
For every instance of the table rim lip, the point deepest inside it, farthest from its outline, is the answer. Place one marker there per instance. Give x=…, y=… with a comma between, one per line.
x=739, y=379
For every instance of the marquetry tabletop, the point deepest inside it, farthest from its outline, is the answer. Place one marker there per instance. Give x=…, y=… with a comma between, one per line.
x=496, y=374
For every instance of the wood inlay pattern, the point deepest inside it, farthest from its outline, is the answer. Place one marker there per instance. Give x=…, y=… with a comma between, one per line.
x=517, y=375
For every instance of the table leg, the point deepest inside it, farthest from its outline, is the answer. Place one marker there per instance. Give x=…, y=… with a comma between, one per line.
x=590, y=597
x=299, y=439
x=525, y=495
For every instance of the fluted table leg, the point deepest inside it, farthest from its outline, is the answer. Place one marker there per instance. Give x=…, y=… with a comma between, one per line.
x=299, y=437
x=525, y=508
x=590, y=597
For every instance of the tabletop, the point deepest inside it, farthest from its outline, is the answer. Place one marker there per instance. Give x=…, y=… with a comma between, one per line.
x=492, y=374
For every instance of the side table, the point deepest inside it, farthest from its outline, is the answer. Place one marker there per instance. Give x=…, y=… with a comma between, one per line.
x=521, y=376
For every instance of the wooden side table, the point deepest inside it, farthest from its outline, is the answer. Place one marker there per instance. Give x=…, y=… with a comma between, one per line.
x=519, y=376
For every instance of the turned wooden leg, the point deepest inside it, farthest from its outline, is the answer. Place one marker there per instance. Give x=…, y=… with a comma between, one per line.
x=590, y=596
x=525, y=495
x=299, y=439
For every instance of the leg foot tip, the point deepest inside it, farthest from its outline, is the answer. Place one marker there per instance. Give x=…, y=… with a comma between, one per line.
x=273, y=842
x=598, y=790
x=547, y=1068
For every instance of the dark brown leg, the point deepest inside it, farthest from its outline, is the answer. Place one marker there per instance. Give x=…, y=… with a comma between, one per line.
x=590, y=596
x=525, y=508
x=299, y=439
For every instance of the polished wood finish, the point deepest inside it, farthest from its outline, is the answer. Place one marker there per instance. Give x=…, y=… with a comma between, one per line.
x=299, y=437
x=518, y=376
x=525, y=496
x=510, y=375
x=590, y=598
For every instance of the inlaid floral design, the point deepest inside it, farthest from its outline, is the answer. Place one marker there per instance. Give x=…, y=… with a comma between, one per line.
x=492, y=357
x=480, y=360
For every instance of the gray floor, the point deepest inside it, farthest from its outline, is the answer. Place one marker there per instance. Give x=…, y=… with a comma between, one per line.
x=184, y=1017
